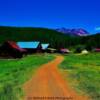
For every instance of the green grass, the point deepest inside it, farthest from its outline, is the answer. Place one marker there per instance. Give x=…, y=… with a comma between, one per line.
x=83, y=73
x=14, y=73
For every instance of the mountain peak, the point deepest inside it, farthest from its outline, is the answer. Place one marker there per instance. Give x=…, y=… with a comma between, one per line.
x=73, y=32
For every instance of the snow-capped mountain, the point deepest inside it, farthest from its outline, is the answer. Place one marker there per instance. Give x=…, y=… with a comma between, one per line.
x=73, y=32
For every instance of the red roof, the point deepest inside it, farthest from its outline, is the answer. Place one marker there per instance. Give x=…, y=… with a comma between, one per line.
x=64, y=50
x=97, y=49
x=15, y=46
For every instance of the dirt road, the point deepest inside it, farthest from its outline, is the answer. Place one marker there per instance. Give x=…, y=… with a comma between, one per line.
x=48, y=84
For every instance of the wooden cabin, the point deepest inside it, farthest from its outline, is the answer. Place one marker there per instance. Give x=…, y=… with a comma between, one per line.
x=31, y=47
x=11, y=49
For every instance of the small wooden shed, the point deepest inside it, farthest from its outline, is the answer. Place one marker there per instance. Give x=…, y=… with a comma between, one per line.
x=51, y=50
x=45, y=47
x=97, y=49
x=64, y=50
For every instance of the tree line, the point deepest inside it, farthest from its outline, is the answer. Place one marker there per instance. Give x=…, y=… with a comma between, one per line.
x=44, y=35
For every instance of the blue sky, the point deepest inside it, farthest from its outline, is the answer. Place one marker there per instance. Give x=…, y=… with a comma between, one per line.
x=51, y=13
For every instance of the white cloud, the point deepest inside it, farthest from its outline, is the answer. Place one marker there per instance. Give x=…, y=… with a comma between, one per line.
x=97, y=28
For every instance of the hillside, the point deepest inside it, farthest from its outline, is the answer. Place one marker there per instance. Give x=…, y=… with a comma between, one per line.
x=34, y=34
x=26, y=34
x=56, y=39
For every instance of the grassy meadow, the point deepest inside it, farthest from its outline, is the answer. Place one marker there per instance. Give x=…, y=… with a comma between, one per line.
x=15, y=72
x=83, y=73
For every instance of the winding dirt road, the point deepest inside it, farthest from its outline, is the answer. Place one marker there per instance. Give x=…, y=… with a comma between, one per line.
x=48, y=84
